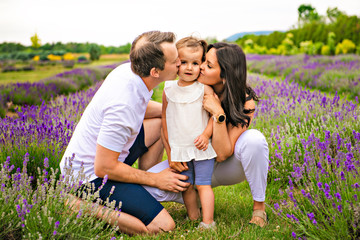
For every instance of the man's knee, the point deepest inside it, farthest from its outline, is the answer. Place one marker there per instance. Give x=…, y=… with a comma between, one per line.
x=162, y=222
x=152, y=130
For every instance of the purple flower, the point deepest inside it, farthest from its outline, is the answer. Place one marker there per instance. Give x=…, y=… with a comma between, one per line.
x=340, y=208
x=112, y=190
x=54, y=233
x=79, y=214
x=303, y=192
x=342, y=176
x=320, y=185
x=355, y=197
x=328, y=196
x=327, y=188
x=46, y=162
x=319, y=165
x=57, y=223
x=293, y=235
x=338, y=196
x=276, y=206
x=311, y=216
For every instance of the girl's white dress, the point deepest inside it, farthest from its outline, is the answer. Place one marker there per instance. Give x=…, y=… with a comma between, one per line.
x=186, y=119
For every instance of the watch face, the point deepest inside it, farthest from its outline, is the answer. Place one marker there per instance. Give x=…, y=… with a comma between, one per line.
x=221, y=118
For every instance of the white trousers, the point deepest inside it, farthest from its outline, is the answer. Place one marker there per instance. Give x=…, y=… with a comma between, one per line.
x=250, y=162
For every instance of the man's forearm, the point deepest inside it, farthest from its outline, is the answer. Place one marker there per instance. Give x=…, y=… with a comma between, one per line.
x=125, y=173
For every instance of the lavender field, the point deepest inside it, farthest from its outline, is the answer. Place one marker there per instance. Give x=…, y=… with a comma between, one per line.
x=335, y=74
x=314, y=140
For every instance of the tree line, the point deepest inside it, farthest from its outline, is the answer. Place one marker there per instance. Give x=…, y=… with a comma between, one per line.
x=73, y=47
x=312, y=27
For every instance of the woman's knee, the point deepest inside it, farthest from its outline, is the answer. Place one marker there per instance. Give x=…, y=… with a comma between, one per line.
x=252, y=143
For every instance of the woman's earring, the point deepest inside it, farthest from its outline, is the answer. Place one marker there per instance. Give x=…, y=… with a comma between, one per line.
x=223, y=81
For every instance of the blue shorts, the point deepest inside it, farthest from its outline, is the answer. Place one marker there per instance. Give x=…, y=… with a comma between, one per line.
x=135, y=200
x=200, y=172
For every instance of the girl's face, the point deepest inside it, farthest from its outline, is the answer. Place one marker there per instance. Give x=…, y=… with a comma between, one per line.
x=210, y=71
x=189, y=69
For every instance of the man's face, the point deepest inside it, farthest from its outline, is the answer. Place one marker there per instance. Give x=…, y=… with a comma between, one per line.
x=172, y=62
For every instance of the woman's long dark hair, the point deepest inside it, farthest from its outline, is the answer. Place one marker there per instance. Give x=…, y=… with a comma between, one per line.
x=232, y=61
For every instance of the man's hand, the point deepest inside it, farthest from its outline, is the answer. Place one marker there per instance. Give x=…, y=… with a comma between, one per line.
x=178, y=166
x=169, y=180
x=201, y=142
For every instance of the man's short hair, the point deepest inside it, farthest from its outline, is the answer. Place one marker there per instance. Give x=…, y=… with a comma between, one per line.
x=146, y=52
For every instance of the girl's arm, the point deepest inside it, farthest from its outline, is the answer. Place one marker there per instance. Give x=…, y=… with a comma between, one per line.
x=178, y=166
x=202, y=141
x=224, y=137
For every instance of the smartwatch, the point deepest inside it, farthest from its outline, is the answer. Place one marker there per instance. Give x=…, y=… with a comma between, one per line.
x=219, y=118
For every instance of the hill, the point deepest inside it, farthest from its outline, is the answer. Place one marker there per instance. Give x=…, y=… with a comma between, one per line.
x=236, y=36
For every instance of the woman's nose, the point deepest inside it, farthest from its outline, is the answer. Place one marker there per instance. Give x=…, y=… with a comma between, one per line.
x=202, y=66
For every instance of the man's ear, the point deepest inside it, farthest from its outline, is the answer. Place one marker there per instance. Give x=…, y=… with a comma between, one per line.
x=154, y=72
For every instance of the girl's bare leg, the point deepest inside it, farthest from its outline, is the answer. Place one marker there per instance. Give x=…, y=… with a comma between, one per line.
x=190, y=200
x=207, y=200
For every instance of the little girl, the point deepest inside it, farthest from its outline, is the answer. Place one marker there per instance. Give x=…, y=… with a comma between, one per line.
x=187, y=129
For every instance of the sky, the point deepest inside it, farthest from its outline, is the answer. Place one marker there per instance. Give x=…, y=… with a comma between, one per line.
x=117, y=22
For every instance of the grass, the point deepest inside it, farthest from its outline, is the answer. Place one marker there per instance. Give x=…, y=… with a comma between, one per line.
x=42, y=72
x=233, y=209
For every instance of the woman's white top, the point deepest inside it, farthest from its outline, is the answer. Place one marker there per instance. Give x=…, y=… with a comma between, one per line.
x=186, y=119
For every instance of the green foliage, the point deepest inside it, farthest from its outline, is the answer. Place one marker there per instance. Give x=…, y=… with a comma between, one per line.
x=95, y=52
x=347, y=46
x=331, y=42
x=211, y=40
x=82, y=58
x=11, y=47
x=325, y=50
x=35, y=41
x=306, y=47
x=312, y=28
x=122, y=49
x=37, y=209
x=307, y=13
x=333, y=14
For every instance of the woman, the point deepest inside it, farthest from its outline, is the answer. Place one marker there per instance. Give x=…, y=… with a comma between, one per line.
x=242, y=153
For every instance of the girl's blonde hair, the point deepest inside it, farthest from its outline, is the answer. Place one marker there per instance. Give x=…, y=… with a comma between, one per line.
x=193, y=42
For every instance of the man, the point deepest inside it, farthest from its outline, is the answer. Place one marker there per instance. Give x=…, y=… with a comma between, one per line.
x=112, y=123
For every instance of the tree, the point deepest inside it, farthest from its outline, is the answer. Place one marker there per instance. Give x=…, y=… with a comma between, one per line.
x=95, y=52
x=307, y=14
x=333, y=14
x=35, y=41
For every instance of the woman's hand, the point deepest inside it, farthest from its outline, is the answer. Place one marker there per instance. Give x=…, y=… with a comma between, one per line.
x=178, y=166
x=201, y=142
x=212, y=104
